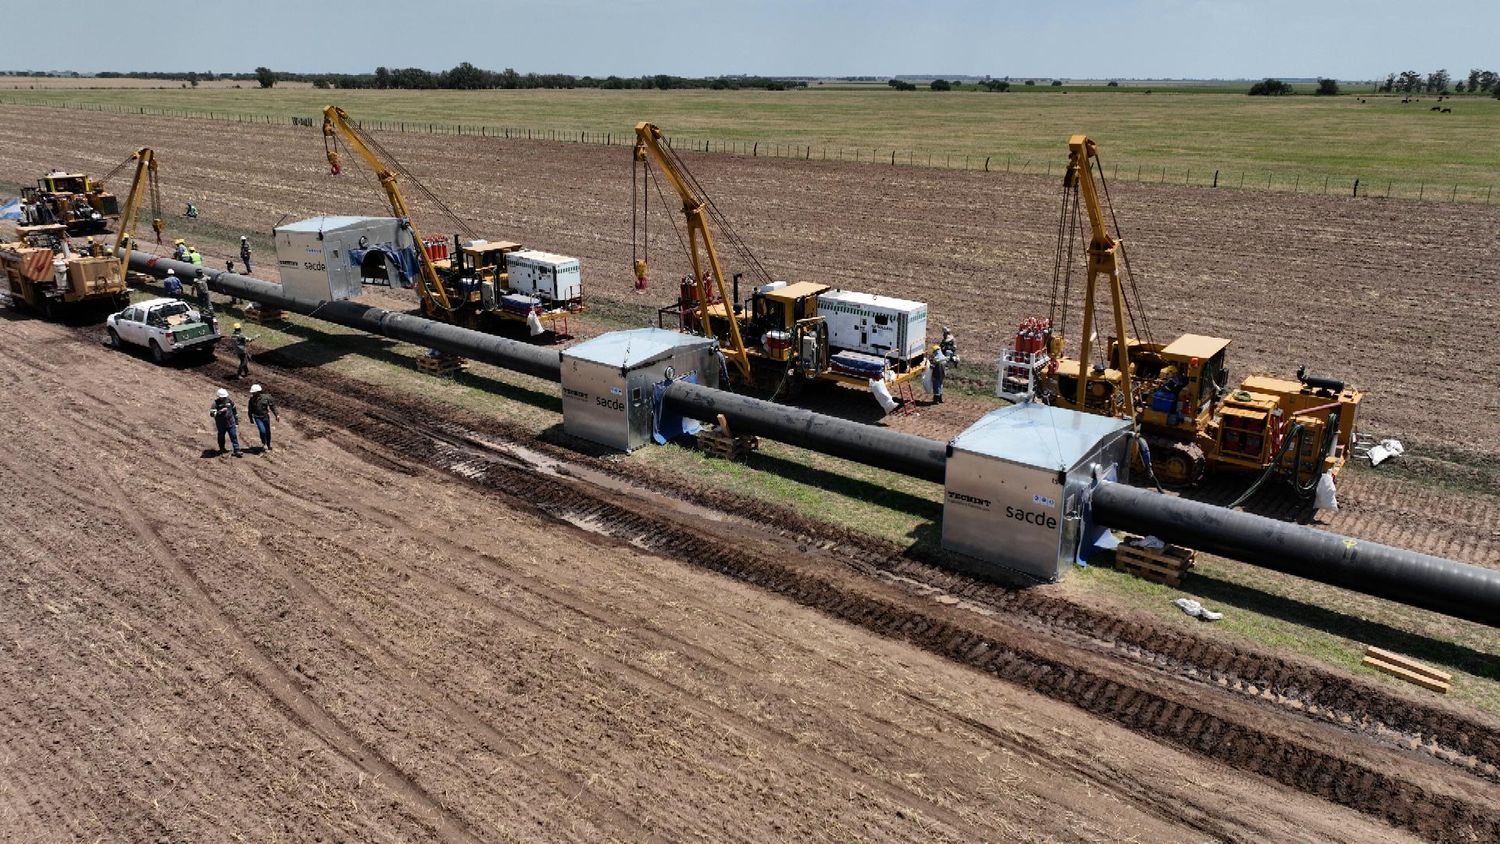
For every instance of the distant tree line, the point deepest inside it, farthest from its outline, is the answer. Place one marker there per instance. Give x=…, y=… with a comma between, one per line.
x=1440, y=82
x=467, y=77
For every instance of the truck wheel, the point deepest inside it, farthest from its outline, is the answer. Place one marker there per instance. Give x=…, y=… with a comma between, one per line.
x=114, y=340
x=157, y=355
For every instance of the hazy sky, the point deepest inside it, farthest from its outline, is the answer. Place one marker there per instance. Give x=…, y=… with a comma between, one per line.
x=1079, y=39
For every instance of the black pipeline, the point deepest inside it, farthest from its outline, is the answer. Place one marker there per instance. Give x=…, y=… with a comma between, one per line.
x=881, y=447
x=1457, y=589
x=475, y=345
x=1419, y=580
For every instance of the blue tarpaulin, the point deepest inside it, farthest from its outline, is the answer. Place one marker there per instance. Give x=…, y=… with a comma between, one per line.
x=667, y=426
x=11, y=210
x=404, y=259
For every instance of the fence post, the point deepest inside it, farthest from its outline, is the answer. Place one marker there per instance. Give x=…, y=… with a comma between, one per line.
x=1325, y=185
x=1356, y=187
x=987, y=165
x=1487, y=194
x=1453, y=197
x=893, y=158
x=1187, y=177
x=1297, y=184
x=1216, y=178
x=1421, y=188
x=756, y=150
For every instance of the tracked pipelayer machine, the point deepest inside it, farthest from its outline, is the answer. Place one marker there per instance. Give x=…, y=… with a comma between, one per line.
x=783, y=335
x=1177, y=393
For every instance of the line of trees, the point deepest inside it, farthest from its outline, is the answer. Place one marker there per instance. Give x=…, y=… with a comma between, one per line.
x=1479, y=81
x=466, y=77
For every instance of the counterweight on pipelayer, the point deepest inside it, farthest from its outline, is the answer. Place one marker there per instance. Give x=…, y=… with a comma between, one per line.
x=1420, y=580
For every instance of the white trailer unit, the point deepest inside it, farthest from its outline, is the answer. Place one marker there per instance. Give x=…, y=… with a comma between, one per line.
x=544, y=275
x=333, y=258
x=874, y=325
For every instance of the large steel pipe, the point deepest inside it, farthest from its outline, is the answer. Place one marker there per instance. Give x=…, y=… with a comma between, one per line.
x=465, y=342
x=904, y=453
x=1420, y=580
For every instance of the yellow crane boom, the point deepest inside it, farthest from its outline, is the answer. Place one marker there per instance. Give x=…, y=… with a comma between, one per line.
x=336, y=123
x=1103, y=259
x=145, y=172
x=648, y=148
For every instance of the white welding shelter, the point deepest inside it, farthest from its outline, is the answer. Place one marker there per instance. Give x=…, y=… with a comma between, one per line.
x=1015, y=486
x=333, y=258
x=608, y=383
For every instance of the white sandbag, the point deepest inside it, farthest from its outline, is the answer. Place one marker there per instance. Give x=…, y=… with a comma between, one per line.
x=927, y=380
x=534, y=323
x=882, y=395
x=1326, y=498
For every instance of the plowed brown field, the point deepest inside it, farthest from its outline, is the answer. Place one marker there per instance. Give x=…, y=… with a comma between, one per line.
x=411, y=622
x=1396, y=297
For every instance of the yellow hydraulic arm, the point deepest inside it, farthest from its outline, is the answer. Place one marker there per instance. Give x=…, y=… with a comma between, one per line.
x=1103, y=259
x=145, y=171
x=648, y=147
x=336, y=122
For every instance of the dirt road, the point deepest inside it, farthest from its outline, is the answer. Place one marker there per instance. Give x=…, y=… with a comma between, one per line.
x=333, y=642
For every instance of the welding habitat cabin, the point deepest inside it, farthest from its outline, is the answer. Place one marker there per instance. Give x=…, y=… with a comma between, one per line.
x=609, y=383
x=330, y=259
x=1015, y=490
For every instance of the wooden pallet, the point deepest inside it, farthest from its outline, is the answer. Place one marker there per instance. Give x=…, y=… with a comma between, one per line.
x=1165, y=565
x=720, y=442
x=1409, y=670
x=263, y=316
x=442, y=366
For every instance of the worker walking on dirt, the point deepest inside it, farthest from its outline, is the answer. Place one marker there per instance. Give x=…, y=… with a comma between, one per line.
x=262, y=408
x=245, y=253
x=173, y=284
x=241, y=348
x=226, y=420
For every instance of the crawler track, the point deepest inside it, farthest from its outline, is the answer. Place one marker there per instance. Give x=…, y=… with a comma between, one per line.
x=1254, y=712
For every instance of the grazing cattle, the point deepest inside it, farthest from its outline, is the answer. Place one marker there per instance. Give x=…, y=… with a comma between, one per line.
x=1438, y=108
x=1447, y=111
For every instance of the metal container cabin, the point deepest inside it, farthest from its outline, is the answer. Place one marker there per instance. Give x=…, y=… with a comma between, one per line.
x=608, y=382
x=331, y=259
x=1015, y=484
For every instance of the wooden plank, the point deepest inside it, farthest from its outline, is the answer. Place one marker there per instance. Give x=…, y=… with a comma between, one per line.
x=1148, y=565
x=1408, y=663
x=1409, y=676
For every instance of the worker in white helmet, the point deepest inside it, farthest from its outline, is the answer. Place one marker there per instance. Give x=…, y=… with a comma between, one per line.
x=245, y=253
x=172, y=284
x=226, y=420
x=262, y=408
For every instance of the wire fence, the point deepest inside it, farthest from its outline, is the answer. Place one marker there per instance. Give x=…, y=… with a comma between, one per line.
x=1189, y=176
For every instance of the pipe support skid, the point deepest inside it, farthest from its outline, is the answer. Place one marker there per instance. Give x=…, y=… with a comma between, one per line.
x=452, y=339
x=1407, y=577
x=907, y=454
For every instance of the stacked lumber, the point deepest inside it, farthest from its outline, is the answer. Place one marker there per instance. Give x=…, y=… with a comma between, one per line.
x=263, y=316
x=719, y=441
x=1409, y=670
x=1165, y=565
x=442, y=366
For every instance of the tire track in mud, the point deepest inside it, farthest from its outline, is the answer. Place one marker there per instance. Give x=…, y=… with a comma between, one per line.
x=271, y=679
x=1219, y=729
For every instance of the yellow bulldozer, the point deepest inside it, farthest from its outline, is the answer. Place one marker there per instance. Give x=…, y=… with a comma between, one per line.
x=1190, y=418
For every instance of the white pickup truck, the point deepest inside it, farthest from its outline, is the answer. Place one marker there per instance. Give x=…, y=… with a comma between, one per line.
x=167, y=327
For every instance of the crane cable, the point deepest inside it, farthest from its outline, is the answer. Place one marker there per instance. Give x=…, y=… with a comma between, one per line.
x=1144, y=329
x=730, y=236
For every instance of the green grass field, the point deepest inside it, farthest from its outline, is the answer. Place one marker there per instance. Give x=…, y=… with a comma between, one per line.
x=1177, y=135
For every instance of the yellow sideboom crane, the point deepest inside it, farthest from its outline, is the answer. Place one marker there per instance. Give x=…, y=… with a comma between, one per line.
x=1177, y=394
x=336, y=123
x=144, y=181
x=1104, y=257
x=700, y=245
